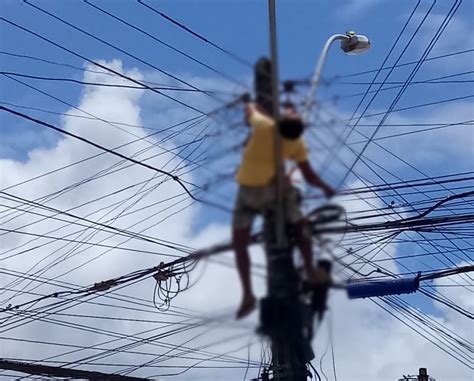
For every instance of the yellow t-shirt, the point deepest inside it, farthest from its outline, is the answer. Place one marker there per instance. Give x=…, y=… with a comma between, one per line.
x=258, y=162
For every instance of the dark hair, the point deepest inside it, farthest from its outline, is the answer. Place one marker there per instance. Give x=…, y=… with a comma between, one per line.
x=289, y=104
x=291, y=128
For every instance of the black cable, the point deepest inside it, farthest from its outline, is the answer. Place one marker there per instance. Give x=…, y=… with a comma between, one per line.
x=416, y=106
x=332, y=348
x=417, y=131
x=102, y=66
x=160, y=221
x=119, y=86
x=391, y=108
x=134, y=338
x=439, y=203
x=449, y=349
x=198, y=255
x=397, y=192
x=392, y=173
x=123, y=232
x=65, y=132
x=139, y=138
x=411, y=316
x=139, y=303
x=335, y=149
x=114, y=47
x=459, y=310
x=435, y=80
x=151, y=83
x=448, y=272
x=318, y=377
x=337, y=77
x=97, y=155
x=115, y=168
x=160, y=41
x=201, y=37
x=365, y=200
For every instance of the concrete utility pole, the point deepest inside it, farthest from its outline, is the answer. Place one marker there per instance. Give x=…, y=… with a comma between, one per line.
x=284, y=317
x=421, y=376
x=281, y=241
x=281, y=311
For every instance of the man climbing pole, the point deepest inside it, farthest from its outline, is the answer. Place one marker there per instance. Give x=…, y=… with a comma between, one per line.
x=256, y=179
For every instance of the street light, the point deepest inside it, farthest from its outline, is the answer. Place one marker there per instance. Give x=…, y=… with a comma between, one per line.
x=351, y=43
x=354, y=44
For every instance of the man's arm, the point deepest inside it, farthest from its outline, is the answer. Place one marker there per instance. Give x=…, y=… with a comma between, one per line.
x=313, y=179
x=253, y=110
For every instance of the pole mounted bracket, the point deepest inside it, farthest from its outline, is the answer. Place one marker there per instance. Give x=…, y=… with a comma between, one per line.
x=162, y=275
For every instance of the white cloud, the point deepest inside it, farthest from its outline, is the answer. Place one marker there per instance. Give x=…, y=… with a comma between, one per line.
x=456, y=36
x=370, y=345
x=356, y=8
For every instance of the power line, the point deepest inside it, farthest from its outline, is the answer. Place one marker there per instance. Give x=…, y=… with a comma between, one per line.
x=88, y=70
x=384, y=169
x=199, y=36
x=53, y=371
x=430, y=46
x=160, y=41
x=337, y=147
x=87, y=141
x=455, y=99
x=113, y=47
x=102, y=66
x=118, y=86
x=461, y=52
x=140, y=138
x=403, y=224
x=435, y=80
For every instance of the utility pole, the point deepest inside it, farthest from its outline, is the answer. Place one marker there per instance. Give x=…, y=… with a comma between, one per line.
x=281, y=311
x=421, y=376
x=281, y=241
x=286, y=314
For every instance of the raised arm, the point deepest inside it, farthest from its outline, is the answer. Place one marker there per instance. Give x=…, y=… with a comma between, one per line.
x=313, y=179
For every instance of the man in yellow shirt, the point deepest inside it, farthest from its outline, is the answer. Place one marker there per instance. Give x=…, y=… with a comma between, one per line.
x=256, y=179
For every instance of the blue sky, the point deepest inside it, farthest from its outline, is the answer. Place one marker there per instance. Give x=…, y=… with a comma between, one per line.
x=242, y=28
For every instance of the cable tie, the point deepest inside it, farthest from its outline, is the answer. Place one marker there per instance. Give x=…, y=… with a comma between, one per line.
x=418, y=276
x=7, y=308
x=105, y=285
x=162, y=275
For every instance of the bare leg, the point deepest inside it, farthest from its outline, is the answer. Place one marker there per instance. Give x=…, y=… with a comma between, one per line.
x=303, y=241
x=240, y=241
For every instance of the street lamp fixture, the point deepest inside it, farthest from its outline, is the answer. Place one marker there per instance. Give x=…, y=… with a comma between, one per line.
x=355, y=43
x=351, y=43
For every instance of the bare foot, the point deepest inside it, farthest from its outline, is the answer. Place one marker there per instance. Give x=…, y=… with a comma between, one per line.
x=246, y=307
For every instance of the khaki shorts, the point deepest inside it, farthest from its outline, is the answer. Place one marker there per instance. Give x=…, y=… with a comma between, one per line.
x=256, y=200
